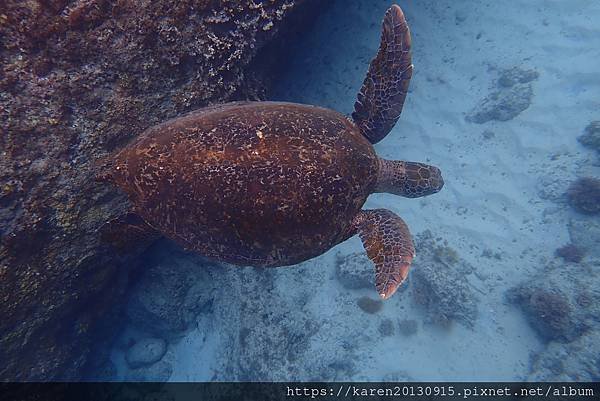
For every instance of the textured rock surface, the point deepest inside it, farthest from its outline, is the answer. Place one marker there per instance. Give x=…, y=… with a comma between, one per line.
x=561, y=303
x=79, y=79
x=145, y=352
x=576, y=361
x=585, y=233
x=439, y=282
x=169, y=296
x=591, y=136
x=584, y=195
x=355, y=271
x=512, y=96
x=270, y=332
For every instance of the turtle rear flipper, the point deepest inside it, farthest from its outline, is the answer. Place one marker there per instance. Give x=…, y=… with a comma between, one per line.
x=380, y=100
x=128, y=231
x=389, y=245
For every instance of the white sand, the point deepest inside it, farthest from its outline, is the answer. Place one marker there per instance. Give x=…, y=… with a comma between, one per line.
x=490, y=200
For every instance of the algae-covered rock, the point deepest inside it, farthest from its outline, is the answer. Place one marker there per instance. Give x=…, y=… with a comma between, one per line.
x=549, y=311
x=79, y=79
x=585, y=234
x=576, y=361
x=439, y=282
x=591, y=136
x=170, y=294
x=584, y=195
x=502, y=105
x=561, y=303
x=513, y=95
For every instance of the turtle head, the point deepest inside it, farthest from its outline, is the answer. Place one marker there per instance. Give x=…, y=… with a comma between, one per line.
x=408, y=179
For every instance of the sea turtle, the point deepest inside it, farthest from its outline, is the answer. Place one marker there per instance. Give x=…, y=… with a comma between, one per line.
x=274, y=184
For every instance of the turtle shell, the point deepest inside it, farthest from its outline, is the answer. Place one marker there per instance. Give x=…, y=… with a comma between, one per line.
x=253, y=183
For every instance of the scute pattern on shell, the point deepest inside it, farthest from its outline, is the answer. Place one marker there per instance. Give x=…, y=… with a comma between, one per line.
x=389, y=245
x=384, y=89
x=252, y=183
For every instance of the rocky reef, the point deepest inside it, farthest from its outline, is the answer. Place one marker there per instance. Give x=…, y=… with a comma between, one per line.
x=575, y=361
x=169, y=296
x=562, y=305
x=79, y=79
x=585, y=234
x=591, y=136
x=512, y=95
x=570, y=253
x=439, y=283
x=229, y=323
x=584, y=195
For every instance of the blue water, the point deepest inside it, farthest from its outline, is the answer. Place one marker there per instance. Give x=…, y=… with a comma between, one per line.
x=499, y=96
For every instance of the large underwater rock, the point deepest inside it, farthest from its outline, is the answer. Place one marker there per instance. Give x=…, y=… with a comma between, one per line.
x=591, y=136
x=563, y=306
x=575, y=361
x=513, y=95
x=78, y=80
x=167, y=298
x=562, y=303
x=439, y=282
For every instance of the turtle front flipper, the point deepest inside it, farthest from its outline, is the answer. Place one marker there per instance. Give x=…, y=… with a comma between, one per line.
x=389, y=245
x=380, y=100
x=127, y=232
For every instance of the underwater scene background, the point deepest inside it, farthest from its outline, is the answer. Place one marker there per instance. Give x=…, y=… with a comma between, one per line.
x=499, y=95
x=505, y=100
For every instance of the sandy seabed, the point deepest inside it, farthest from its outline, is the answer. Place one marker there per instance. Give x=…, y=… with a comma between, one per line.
x=502, y=209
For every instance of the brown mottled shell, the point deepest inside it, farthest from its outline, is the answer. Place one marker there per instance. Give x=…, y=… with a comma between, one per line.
x=253, y=183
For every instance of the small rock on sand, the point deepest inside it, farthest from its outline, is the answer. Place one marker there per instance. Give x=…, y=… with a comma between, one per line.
x=146, y=352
